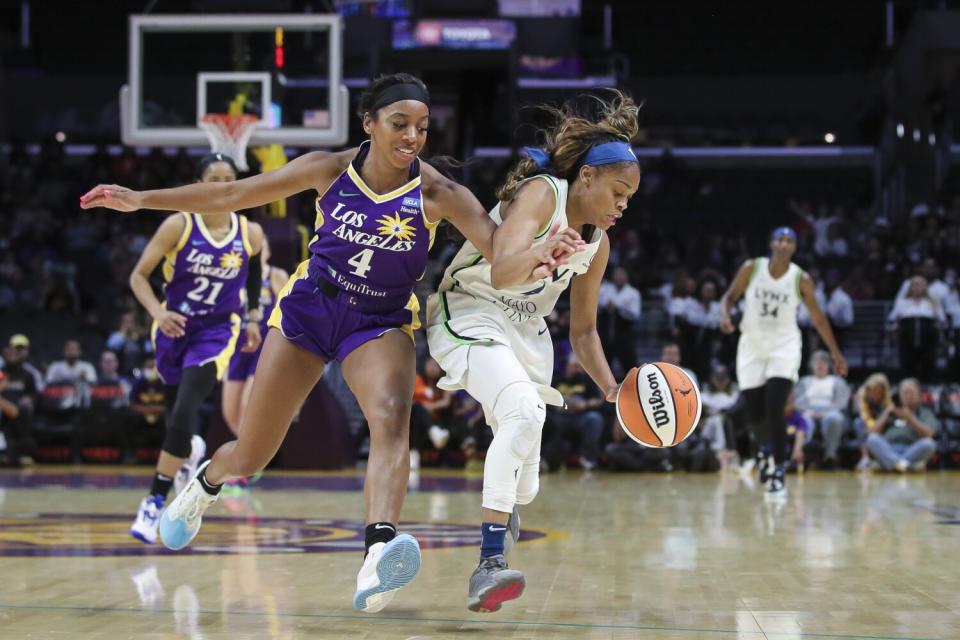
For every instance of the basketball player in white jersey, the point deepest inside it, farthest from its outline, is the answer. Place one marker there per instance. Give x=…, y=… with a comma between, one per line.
x=768, y=354
x=488, y=332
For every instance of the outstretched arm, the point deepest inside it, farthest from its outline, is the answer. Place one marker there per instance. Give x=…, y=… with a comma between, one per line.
x=460, y=207
x=821, y=323
x=584, y=296
x=210, y=198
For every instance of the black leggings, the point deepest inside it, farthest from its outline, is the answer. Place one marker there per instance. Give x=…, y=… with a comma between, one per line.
x=182, y=401
x=765, y=414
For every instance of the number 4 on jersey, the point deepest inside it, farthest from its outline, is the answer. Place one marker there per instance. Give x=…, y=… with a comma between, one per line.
x=361, y=263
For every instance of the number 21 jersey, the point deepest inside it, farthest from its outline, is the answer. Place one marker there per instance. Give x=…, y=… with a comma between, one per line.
x=204, y=277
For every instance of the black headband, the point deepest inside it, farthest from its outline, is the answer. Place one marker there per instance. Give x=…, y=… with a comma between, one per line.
x=211, y=158
x=398, y=92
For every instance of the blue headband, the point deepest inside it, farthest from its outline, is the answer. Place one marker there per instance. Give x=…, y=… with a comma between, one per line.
x=606, y=153
x=784, y=231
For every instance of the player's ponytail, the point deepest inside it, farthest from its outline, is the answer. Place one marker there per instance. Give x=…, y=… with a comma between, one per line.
x=566, y=143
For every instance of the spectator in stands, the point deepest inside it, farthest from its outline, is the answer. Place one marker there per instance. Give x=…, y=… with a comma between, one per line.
x=798, y=434
x=937, y=289
x=430, y=406
x=901, y=438
x=874, y=403
x=671, y=354
x=148, y=409
x=839, y=306
x=718, y=396
x=580, y=421
x=110, y=370
x=620, y=306
x=23, y=385
x=129, y=342
x=823, y=398
x=8, y=410
x=699, y=325
x=72, y=369
x=917, y=319
x=17, y=357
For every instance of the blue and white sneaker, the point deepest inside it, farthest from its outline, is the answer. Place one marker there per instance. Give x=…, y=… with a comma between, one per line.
x=145, y=526
x=198, y=449
x=387, y=567
x=180, y=522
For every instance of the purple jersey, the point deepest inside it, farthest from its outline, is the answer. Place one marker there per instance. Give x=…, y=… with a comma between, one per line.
x=371, y=246
x=204, y=277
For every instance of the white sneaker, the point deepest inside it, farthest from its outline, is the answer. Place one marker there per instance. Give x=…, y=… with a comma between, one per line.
x=901, y=465
x=181, y=521
x=198, y=449
x=387, y=567
x=439, y=436
x=414, y=459
x=919, y=466
x=144, y=527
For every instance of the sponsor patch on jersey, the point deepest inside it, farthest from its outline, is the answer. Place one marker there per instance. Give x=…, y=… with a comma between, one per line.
x=409, y=210
x=411, y=202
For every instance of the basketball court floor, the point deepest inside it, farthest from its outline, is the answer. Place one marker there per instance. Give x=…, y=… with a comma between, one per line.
x=679, y=557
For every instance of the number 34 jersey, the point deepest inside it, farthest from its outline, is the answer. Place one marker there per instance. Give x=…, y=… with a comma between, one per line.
x=770, y=304
x=373, y=246
x=205, y=277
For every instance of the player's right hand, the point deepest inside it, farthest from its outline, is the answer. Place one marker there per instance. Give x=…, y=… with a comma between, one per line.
x=111, y=196
x=556, y=250
x=726, y=325
x=172, y=324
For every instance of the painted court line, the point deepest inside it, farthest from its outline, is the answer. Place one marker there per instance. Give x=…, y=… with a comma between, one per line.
x=469, y=621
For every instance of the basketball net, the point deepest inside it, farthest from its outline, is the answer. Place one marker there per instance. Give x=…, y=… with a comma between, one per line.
x=229, y=134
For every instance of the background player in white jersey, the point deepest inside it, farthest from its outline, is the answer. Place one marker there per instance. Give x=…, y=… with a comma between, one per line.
x=769, y=351
x=487, y=330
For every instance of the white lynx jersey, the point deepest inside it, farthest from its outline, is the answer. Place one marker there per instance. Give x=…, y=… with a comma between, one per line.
x=470, y=273
x=771, y=303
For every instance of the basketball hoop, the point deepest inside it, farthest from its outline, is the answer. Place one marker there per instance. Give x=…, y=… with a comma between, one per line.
x=230, y=134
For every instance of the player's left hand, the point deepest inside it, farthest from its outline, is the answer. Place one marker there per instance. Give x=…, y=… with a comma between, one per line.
x=839, y=364
x=253, y=337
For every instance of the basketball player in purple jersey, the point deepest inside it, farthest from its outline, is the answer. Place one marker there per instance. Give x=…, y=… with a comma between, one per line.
x=235, y=392
x=206, y=266
x=243, y=364
x=377, y=210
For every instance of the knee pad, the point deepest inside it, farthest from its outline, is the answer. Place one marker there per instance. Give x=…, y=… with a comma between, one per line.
x=529, y=486
x=176, y=442
x=520, y=413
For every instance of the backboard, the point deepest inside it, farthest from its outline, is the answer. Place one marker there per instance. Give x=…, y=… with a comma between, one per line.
x=284, y=69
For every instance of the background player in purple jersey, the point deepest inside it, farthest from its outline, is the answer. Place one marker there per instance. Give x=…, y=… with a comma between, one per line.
x=377, y=210
x=239, y=382
x=207, y=262
x=235, y=392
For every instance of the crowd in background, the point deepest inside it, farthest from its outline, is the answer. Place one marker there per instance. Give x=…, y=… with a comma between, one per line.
x=63, y=288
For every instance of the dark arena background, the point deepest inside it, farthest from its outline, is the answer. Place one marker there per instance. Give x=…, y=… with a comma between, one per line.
x=838, y=121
